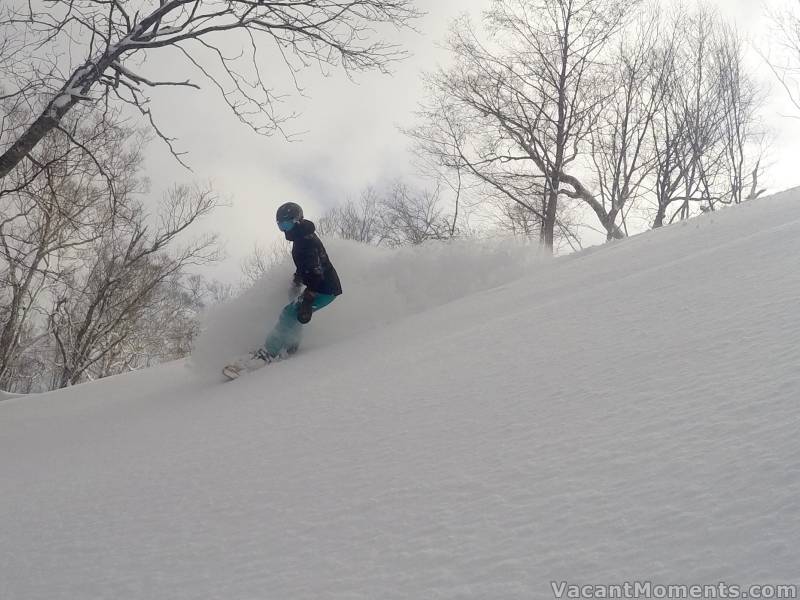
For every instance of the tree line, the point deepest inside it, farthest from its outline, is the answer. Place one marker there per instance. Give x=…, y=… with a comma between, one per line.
x=558, y=118
x=600, y=114
x=93, y=283
x=552, y=118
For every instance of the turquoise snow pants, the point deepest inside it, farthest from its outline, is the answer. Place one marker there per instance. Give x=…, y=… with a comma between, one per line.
x=288, y=331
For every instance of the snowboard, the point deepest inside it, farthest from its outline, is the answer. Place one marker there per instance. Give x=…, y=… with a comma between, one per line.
x=252, y=362
x=242, y=365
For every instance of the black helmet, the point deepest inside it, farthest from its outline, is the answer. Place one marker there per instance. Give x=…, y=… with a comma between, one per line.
x=288, y=216
x=289, y=212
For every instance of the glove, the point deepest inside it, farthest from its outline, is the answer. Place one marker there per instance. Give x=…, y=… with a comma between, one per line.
x=305, y=308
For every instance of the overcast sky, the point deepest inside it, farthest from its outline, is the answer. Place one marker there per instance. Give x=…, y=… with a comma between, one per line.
x=351, y=140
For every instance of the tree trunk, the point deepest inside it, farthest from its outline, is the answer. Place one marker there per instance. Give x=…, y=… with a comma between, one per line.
x=46, y=122
x=549, y=223
x=659, y=220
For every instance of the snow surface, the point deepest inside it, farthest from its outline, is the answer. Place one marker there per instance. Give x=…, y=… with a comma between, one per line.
x=462, y=423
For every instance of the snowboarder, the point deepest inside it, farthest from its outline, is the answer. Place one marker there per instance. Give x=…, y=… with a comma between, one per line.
x=314, y=271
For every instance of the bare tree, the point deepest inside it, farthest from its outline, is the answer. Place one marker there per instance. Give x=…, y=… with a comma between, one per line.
x=465, y=154
x=516, y=114
x=411, y=217
x=783, y=55
x=206, y=292
x=164, y=329
x=98, y=309
x=517, y=220
x=743, y=136
x=706, y=129
x=49, y=213
x=358, y=220
x=399, y=215
x=621, y=151
x=261, y=260
x=112, y=42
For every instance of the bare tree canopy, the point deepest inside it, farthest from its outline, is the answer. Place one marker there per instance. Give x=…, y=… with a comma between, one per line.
x=400, y=215
x=261, y=260
x=99, y=310
x=707, y=137
x=783, y=55
x=514, y=111
x=578, y=114
x=93, y=283
x=112, y=39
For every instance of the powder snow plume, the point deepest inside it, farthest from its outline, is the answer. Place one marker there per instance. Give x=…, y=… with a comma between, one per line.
x=381, y=285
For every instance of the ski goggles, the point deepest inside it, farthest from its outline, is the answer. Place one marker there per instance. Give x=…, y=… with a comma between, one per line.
x=286, y=225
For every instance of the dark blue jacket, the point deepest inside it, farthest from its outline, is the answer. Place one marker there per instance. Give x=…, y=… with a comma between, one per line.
x=314, y=268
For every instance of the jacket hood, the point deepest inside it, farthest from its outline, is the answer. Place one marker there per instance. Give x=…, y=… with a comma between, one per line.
x=301, y=230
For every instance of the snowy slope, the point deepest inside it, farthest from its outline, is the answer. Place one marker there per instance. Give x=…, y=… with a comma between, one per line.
x=628, y=413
